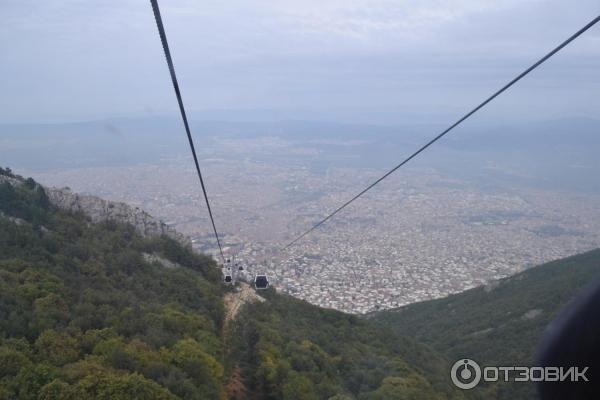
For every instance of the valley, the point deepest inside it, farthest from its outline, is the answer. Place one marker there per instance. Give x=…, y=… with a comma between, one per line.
x=423, y=234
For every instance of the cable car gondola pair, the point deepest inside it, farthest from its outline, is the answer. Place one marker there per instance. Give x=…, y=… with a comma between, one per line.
x=228, y=278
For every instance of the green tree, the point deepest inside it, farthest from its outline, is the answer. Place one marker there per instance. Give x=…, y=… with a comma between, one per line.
x=12, y=361
x=299, y=387
x=57, y=348
x=412, y=387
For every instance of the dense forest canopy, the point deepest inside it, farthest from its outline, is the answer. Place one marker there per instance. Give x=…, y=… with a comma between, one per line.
x=84, y=313
x=501, y=323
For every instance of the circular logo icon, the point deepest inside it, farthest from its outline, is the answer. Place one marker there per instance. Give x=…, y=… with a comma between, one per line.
x=465, y=374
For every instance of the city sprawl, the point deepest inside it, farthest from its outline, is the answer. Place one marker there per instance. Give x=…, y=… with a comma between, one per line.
x=421, y=234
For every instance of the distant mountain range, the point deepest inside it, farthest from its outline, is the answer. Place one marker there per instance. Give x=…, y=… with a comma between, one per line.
x=558, y=154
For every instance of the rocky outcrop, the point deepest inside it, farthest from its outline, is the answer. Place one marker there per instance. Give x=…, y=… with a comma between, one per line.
x=99, y=210
x=531, y=314
x=102, y=210
x=9, y=179
x=14, y=220
x=156, y=259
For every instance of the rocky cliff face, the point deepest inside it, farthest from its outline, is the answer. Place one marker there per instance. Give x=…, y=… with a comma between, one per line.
x=102, y=210
x=11, y=180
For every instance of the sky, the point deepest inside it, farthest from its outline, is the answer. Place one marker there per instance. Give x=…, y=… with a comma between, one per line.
x=76, y=60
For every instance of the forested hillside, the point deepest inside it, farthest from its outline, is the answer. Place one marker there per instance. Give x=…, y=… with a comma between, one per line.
x=288, y=349
x=84, y=315
x=499, y=324
x=96, y=311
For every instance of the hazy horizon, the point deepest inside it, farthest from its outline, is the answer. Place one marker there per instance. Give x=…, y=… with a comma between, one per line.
x=390, y=61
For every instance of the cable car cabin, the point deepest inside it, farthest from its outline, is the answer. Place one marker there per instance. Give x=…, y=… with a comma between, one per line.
x=261, y=282
x=228, y=278
x=240, y=268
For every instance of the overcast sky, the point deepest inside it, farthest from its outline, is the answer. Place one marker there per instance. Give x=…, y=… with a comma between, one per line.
x=76, y=60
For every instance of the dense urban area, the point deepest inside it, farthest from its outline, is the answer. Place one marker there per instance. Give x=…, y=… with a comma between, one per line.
x=421, y=234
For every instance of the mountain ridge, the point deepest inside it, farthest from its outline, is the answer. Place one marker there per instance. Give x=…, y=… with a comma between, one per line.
x=96, y=310
x=98, y=210
x=500, y=323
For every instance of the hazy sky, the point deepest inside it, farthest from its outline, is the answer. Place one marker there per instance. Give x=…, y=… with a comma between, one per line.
x=76, y=60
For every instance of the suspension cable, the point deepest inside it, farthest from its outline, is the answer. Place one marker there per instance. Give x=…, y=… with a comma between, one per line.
x=435, y=139
x=165, y=45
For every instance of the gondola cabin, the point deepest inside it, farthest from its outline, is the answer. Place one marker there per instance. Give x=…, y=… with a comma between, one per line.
x=261, y=282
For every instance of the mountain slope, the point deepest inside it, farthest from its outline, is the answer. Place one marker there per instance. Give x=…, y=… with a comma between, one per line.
x=95, y=310
x=285, y=348
x=83, y=314
x=498, y=324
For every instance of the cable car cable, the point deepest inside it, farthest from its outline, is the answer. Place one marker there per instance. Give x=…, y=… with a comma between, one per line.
x=435, y=139
x=165, y=45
